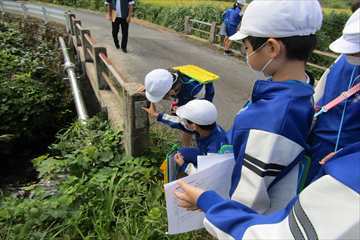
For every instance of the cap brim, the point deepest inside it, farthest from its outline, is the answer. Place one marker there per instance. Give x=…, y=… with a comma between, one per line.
x=345, y=47
x=181, y=112
x=238, y=36
x=152, y=98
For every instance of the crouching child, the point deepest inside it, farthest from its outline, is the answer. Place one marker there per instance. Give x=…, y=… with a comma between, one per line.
x=198, y=118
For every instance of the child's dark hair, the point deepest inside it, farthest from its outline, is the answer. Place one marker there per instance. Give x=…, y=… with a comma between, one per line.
x=208, y=127
x=355, y=5
x=235, y=5
x=176, y=76
x=297, y=47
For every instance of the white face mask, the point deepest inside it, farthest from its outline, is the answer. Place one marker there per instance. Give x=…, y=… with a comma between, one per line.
x=260, y=75
x=353, y=60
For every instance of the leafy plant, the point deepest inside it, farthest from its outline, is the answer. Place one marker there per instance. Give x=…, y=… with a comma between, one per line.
x=35, y=102
x=34, y=98
x=90, y=189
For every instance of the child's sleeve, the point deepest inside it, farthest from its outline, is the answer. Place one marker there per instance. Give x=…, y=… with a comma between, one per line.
x=189, y=155
x=172, y=121
x=317, y=213
x=262, y=159
x=209, y=92
x=227, y=219
x=190, y=169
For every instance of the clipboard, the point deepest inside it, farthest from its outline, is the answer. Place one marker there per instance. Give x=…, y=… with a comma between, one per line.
x=171, y=168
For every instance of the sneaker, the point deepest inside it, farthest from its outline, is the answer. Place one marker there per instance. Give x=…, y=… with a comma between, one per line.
x=117, y=45
x=124, y=50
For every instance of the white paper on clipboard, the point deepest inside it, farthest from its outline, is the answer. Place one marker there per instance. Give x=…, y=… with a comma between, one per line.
x=209, y=160
x=216, y=178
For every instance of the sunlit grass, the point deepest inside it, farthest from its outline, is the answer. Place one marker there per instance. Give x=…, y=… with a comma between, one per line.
x=219, y=4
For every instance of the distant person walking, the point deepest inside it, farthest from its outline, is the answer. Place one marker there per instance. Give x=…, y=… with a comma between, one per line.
x=231, y=20
x=120, y=13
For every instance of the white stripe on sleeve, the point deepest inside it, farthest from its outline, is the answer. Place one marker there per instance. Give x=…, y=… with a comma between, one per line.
x=266, y=155
x=332, y=208
x=326, y=209
x=216, y=232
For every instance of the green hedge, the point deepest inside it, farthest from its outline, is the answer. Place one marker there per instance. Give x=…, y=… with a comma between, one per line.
x=332, y=27
x=173, y=16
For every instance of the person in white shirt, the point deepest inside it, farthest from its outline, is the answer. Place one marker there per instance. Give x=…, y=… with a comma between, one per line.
x=120, y=13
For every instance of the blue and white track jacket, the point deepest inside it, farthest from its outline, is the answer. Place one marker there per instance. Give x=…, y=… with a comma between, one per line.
x=232, y=16
x=327, y=209
x=269, y=137
x=339, y=78
x=210, y=144
x=192, y=89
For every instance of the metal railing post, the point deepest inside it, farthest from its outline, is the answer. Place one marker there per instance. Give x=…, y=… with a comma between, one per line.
x=69, y=68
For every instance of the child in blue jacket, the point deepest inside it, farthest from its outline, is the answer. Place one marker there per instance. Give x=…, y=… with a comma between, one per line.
x=340, y=126
x=231, y=20
x=168, y=84
x=172, y=85
x=197, y=117
x=269, y=135
x=326, y=209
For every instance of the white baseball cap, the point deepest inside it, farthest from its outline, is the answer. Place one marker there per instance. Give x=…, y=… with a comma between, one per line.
x=158, y=83
x=280, y=18
x=349, y=42
x=242, y=2
x=199, y=111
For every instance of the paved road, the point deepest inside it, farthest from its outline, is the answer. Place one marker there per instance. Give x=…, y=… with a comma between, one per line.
x=151, y=46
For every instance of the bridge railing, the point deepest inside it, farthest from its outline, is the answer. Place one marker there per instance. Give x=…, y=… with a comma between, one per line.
x=107, y=78
x=29, y=10
x=211, y=31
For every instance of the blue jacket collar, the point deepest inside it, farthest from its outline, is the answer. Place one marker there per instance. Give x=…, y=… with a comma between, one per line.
x=268, y=89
